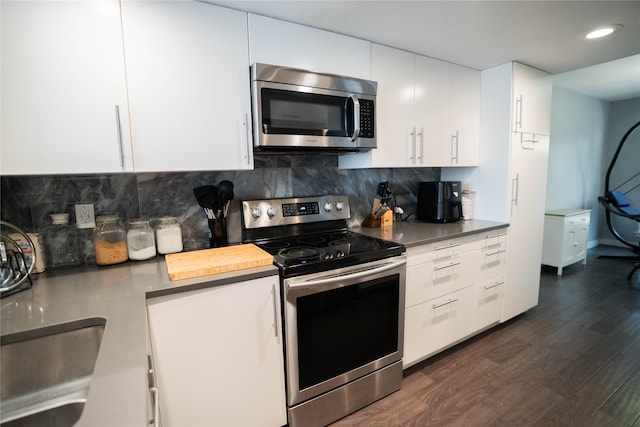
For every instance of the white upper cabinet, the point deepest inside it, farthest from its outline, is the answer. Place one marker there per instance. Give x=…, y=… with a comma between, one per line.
x=432, y=106
x=64, y=101
x=428, y=113
x=282, y=43
x=531, y=100
x=465, y=116
x=188, y=77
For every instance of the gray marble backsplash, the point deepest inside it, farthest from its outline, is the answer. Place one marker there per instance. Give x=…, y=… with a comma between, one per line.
x=27, y=201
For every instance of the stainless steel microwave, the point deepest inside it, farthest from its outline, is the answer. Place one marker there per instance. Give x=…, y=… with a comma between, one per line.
x=296, y=109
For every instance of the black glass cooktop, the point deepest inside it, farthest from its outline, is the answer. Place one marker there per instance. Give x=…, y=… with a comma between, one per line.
x=311, y=253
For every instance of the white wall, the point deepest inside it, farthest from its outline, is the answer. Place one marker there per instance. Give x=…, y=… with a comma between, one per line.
x=579, y=126
x=622, y=115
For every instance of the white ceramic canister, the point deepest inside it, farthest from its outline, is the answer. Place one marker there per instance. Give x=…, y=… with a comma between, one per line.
x=168, y=235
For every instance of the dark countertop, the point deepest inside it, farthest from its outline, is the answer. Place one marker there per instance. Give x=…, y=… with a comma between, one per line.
x=420, y=233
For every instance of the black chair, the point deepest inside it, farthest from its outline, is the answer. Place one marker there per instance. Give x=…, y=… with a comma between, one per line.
x=617, y=204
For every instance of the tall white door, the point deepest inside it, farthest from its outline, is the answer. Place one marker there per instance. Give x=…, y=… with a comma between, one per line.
x=528, y=189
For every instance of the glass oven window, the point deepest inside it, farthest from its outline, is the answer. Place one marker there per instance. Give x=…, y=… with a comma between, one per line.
x=342, y=329
x=301, y=113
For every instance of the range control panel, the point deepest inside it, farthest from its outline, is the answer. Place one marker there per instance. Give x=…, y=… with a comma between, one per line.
x=275, y=212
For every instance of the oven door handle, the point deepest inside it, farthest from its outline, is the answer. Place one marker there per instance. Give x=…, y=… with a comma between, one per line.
x=328, y=280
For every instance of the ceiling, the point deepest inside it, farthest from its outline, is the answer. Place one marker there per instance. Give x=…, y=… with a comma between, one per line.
x=481, y=34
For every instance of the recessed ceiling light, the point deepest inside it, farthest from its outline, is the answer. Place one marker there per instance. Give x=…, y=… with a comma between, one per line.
x=603, y=31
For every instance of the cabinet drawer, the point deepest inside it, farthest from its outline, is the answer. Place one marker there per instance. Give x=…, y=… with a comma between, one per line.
x=492, y=262
x=494, y=240
x=434, y=325
x=488, y=299
x=443, y=249
x=575, y=222
x=437, y=278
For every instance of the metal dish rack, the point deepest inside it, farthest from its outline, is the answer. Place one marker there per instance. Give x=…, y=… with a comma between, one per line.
x=15, y=265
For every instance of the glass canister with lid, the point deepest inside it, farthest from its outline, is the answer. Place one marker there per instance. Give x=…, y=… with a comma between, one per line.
x=61, y=242
x=141, y=241
x=168, y=235
x=110, y=240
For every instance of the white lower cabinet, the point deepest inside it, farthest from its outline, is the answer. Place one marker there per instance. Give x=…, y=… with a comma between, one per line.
x=218, y=355
x=434, y=325
x=488, y=302
x=566, y=232
x=454, y=289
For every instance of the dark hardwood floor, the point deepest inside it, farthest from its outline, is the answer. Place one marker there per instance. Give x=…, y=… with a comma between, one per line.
x=574, y=360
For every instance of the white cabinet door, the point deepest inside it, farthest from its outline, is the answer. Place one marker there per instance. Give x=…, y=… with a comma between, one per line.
x=526, y=226
x=188, y=76
x=489, y=296
x=434, y=325
x=432, y=114
x=532, y=100
x=465, y=116
x=393, y=70
x=276, y=42
x=218, y=355
x=63, y=85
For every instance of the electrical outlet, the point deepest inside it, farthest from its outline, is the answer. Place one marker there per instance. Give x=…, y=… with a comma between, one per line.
x=85, y=216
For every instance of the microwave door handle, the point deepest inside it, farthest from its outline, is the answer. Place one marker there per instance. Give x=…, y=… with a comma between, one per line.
x=356, y=117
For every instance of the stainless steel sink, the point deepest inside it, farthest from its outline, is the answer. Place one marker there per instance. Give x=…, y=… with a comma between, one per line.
x=46, y=373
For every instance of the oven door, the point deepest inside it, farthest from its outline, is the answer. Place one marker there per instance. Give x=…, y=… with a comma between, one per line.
x=342, y=324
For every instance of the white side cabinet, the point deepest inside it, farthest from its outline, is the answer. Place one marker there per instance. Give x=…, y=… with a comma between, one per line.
x=566, y=232
x=64, y=99
x=218, y=355
x=188, y=77
x=454, y=289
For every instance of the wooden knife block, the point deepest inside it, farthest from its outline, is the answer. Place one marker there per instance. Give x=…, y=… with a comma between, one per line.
x=386, y=220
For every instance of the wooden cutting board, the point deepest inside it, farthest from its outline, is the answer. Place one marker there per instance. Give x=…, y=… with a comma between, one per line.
x=185, y=265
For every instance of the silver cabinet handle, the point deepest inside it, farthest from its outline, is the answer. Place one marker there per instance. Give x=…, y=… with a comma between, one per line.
x=450, y=301
x=495, y=236
x=275, y=311
x=413, y=145
x=495, y=285
x=247, y=131
x=421, y=133
x=453, y=264
x=356, y=117
x=155, y=393
x=518, y=124
x=496, y=252
x=515, y=183
x=449, y=246
x=454, y=157
x=119, y=130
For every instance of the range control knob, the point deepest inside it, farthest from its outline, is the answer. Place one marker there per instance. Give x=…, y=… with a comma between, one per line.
x=327, y=207
x=339, y=206
x=271, y=211
x=256, y=212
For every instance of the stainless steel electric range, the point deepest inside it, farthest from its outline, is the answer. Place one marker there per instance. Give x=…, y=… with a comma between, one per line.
x=343, y=305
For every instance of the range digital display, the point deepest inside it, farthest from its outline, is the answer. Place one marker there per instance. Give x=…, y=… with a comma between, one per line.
x=297, y=209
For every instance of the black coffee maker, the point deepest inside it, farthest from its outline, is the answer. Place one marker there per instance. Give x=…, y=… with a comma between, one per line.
x=439, y=201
